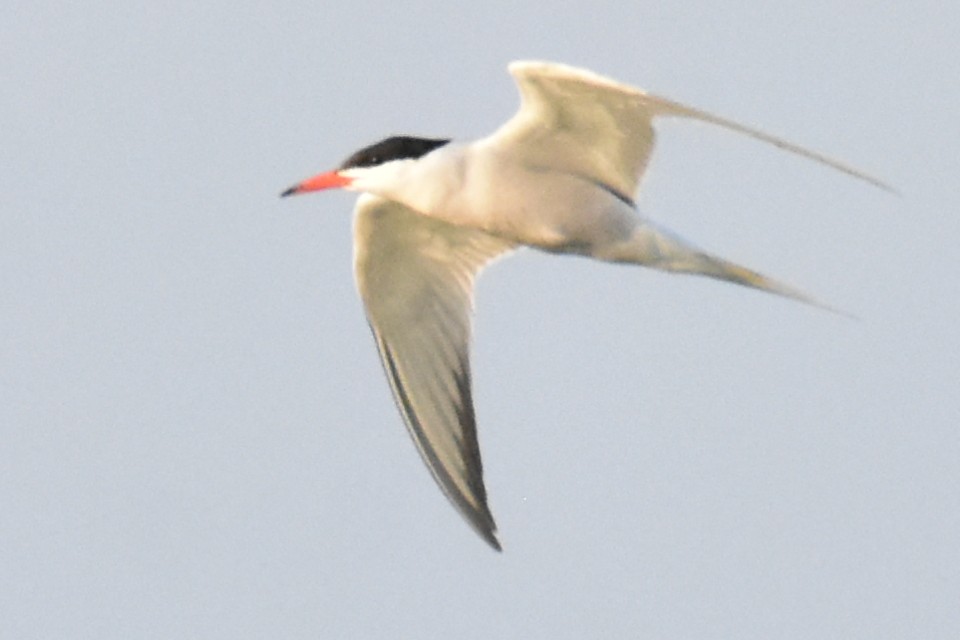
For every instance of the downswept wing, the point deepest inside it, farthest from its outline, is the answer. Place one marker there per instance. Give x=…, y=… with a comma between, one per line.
x=579, y=122
x=415, y=275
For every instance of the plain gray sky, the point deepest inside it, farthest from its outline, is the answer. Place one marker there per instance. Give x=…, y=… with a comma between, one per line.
x=196, y=439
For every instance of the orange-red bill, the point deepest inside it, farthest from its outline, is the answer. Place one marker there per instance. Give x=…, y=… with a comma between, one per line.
x=328, y=180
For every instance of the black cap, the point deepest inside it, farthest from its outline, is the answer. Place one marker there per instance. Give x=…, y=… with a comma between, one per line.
x=393, y=148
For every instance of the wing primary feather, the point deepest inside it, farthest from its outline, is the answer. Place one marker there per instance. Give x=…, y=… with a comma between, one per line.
x=415, y=275
x=579, y=121
x=667, y=107
x=476, y=511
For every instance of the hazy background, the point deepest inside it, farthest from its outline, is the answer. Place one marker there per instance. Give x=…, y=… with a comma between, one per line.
x=196, y=439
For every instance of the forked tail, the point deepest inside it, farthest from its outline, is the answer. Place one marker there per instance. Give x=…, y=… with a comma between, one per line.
x=713, y=267
x=664, y=250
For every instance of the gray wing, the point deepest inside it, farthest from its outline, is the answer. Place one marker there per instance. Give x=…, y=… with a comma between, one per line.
x=415, y=275
x=579, y=122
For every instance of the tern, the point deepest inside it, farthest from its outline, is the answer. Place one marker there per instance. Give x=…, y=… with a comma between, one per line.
x=560, y=176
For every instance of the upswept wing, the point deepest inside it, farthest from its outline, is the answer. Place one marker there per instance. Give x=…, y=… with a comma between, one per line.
x=579, y=122
x=415, y=275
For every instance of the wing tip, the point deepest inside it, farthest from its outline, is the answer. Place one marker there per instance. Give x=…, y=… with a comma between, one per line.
x=490, y=537
x=542, y=68
x=474, y=510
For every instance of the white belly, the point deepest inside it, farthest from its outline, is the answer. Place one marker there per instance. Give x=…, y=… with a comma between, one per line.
x=536, y=207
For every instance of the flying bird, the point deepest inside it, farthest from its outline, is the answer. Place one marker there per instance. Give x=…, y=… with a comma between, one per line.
x=561, y=176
